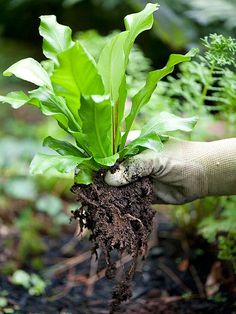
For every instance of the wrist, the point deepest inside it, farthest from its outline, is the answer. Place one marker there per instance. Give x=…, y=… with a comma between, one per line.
x=221, y=167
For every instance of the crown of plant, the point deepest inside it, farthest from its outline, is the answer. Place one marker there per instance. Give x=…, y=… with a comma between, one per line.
x=88, y=98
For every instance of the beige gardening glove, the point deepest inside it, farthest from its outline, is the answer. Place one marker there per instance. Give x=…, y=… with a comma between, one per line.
x=183, y=171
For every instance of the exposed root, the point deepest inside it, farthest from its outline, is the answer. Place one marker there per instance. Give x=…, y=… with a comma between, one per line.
x=119, y=219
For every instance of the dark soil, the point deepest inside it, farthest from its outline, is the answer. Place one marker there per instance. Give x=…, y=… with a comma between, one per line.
x=120, y=219
x=163, y=287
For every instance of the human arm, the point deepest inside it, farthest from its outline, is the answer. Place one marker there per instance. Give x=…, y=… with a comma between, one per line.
x=184, y=170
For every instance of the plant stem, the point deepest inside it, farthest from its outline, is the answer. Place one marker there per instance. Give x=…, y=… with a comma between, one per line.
x=116, y=124
x=113, y=130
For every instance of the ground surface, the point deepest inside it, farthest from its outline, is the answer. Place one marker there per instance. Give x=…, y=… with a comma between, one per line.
x=172, y=279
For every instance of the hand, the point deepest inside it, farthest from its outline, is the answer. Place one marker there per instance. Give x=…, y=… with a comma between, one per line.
x=183, y=171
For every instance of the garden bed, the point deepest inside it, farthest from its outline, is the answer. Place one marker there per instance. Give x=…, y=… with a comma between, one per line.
x=171, y=281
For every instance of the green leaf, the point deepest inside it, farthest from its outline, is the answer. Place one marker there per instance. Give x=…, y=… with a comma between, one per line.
x=107, y=161
x=48, y=66
x=84, y=171
x=120, y=111
x=114, y=59
x=139, y=22
x=15, y=99
x=62, y=147
x=76, y=75
x=95, y=112
x=168, y=122
x=150, y=141
x=29, y=70
x=20, y=277
x=112, y=65
x=63, y=164
x=3, y=302
x=144, y=95
x=84, y=175
x=115, y=55
x=81, y=141
x=38, y=286
x=56, y=37
x=52, y=105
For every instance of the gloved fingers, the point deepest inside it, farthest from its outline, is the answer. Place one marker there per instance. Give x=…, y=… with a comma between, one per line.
x=168, y=194
x=131, y=169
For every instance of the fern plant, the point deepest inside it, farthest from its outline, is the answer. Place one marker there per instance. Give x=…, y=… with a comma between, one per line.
x=204, y=85
x=87, y=98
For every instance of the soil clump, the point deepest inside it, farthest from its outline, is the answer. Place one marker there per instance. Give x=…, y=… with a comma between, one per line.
x=120, y=220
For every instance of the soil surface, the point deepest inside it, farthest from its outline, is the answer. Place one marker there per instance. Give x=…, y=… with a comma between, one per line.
x=166, y=284
x=120, y=219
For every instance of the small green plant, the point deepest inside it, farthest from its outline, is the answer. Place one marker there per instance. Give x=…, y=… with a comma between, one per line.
x=205, y=84
x=219, y=228
x=88, y=98
x=32, y=282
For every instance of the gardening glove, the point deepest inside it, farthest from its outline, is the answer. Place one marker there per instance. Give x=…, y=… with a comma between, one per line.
x=183, y=171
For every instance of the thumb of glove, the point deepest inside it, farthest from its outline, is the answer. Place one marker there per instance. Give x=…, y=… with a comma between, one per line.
x=131, y=169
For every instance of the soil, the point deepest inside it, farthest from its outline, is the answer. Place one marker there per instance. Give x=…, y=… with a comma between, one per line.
x=120, y=219
x=163, y=287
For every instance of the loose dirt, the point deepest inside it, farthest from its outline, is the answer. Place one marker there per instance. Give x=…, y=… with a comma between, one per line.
x=120, y=219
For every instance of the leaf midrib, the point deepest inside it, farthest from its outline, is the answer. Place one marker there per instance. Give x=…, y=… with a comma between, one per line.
x=97, y=132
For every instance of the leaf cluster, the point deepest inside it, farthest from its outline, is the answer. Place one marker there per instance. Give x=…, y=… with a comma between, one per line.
x=32, y=282
x=219, y=228
x=87, y=97
x=204, y=85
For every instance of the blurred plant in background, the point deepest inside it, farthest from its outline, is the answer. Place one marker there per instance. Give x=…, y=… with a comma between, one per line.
x=224, y=11
x=179, y=24
x=203, y=87
x=206, y=86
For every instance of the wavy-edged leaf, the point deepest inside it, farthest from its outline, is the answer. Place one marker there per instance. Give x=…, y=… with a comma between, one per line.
x=81, y=141
x=56, y=37
x=115, y=55
x=114, y=59
x=137, y=23
x=63, y=164
x=76, y=75
x=15, y=99
x=31, y=71
x=84, y=176
x=168, y=122
x=84, y=171
x=112, y=64
x=77, y=72
x=95, y=112
x=107, y=161
x=62, y=147
x=52, y=105
x=150, y=141
x=145, y=93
